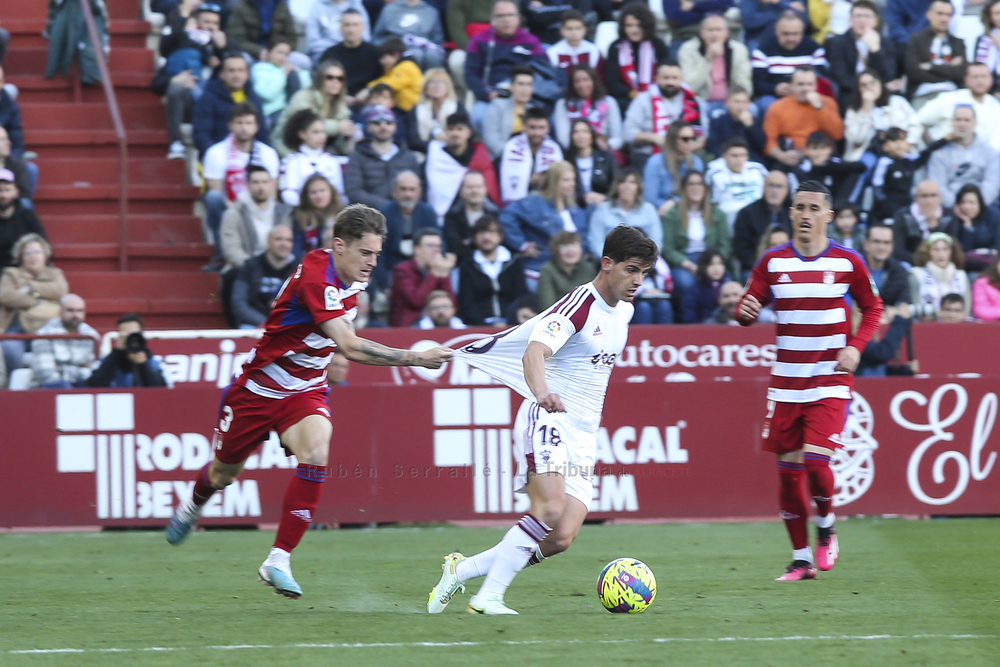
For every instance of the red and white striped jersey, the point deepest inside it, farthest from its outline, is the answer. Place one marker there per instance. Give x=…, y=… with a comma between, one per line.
x=814, y=321
x=293, y=354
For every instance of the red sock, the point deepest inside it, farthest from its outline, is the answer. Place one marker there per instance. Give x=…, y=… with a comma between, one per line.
x=203, y=489
x=820, y=481
x=793, y=502
x=301, y=500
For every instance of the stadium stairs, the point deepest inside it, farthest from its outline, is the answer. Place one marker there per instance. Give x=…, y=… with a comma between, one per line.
x=70, y=128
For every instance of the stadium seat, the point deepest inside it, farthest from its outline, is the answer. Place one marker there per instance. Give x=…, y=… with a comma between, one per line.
x=20, y=379
x=606, y=33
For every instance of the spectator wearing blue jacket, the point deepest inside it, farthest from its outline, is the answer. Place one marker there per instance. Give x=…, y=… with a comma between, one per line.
x=210, y=116
x=701, y=298
x=529, y=223
x=663, y=172
x=10, y=120
x=759, y=18
x=738, y=121
x=493, y=53
x=405, y=215
x=625, y=206
x=904, y=18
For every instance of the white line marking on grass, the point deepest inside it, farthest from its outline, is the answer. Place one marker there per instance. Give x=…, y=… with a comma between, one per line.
x=341, y=645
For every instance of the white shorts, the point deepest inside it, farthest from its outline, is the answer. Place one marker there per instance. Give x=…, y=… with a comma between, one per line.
x=551, y=442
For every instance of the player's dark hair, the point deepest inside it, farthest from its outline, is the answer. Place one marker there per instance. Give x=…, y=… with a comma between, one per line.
x=299, y=122
x=393, y=46
x=243, y=109
x=535, y=113
x=954, y=297
x=735, y=142
x=485, y=223
x=625, y=242
x=819, y=139
x=357, y=220
x=129, y=317
x=816, y=186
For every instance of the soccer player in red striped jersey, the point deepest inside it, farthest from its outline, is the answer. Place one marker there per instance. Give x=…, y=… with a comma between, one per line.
x=808, y=280
x=282, y=386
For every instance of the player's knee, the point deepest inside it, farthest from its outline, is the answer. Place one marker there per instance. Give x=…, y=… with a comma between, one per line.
x=315, y=456
x=550, y=513
x=220, y=480
x=559, y=544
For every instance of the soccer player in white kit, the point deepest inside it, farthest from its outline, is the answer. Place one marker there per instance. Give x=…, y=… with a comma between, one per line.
x=560, y=361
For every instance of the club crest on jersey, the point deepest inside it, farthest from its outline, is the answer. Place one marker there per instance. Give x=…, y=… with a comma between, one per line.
x=828, y=277
x=331, y=297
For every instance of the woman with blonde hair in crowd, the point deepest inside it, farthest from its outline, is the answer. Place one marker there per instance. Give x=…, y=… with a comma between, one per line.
x=326, y=99
x=29, y=294
x=529, y=223
x=663, y=173
x=319, y=204
x=689, y=228
x=428, y=119
x=937, y=271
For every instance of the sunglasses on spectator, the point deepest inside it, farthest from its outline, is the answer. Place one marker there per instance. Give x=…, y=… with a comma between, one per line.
x=688, y=138
x=334, y=77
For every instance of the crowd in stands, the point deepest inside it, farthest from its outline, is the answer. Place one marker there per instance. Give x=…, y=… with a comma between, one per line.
x=502, y=141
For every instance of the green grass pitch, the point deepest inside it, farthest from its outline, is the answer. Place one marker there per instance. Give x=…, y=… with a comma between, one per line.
x=904, y=593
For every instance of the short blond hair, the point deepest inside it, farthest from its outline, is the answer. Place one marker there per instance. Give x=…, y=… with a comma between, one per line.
x=21, y=243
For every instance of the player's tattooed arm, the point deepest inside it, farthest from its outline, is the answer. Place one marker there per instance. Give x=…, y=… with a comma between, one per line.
x=369, y=352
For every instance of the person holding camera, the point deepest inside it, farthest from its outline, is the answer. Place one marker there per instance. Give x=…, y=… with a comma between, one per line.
x=130, y=363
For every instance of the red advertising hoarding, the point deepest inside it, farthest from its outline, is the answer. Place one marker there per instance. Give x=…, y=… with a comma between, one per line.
x=426, y=452
x=654, y=354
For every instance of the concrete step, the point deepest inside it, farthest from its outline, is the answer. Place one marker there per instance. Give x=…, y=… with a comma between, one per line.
x=169, y=229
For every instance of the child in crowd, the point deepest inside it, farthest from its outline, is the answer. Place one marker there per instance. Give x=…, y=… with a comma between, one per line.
x=845, y=228
x=738, y=121
x=818, y=164
x=275, y=80
x=573, y=49
x=700, y=301
x=734, y=179
x=401, y=75
x=892, y=178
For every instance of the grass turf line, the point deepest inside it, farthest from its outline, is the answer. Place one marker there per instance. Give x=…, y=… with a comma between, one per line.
x=132, y=590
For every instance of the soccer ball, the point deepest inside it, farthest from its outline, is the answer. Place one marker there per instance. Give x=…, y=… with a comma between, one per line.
x=626, y=585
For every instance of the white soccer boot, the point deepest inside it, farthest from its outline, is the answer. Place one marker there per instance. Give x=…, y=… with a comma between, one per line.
x=493, y=606
x=446, y=588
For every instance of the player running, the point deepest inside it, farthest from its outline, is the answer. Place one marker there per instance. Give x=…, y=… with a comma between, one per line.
x=808, y=280
x=282, y=385
x=560, y=361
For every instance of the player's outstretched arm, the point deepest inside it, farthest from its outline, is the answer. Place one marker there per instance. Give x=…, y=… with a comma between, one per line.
x=534, y=375
x=369, y=352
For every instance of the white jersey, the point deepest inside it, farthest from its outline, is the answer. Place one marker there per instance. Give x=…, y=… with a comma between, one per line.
x=586, y=336
x=731, y=191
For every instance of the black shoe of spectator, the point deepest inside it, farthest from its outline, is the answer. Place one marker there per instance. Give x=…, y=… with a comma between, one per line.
x=214, y=266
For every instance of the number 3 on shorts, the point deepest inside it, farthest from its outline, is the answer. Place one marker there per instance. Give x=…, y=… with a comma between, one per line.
x=226, y=420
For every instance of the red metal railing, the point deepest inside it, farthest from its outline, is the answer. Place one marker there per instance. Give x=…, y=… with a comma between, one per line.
x=116, y=118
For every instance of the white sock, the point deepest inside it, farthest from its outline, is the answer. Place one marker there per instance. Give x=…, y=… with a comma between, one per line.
x=278, y=557
x=478, y=565
x=803, y=554
x=513, y=553
x=825, y=521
